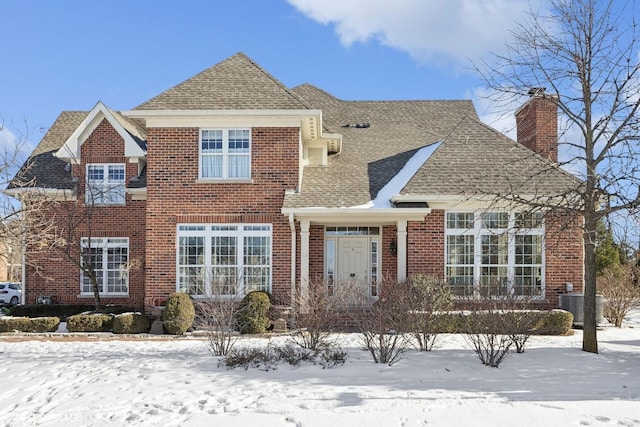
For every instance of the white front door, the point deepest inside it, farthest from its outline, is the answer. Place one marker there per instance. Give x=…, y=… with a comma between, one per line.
x=353, y=257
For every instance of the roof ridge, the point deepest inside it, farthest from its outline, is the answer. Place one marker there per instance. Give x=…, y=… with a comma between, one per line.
x=276, y=81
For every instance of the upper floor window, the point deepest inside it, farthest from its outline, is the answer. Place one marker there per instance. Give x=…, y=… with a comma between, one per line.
x=225, y=153
x=105, y=184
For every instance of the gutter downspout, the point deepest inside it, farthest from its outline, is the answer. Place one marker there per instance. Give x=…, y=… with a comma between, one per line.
x=23, y=257
x=292, y=224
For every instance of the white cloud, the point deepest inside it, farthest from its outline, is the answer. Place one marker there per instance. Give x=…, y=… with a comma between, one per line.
x=444, y=32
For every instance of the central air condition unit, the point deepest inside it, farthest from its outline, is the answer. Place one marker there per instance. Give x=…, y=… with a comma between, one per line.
x=574, y=303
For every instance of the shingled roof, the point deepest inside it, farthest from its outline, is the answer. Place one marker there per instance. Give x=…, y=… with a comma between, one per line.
x=44, y=170
x=472, y=159
x=236, y=83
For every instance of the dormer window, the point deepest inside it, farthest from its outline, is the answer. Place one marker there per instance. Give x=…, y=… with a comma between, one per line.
x=225, y=153
x=105, y=184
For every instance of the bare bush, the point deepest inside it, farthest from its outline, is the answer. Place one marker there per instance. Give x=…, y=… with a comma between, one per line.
x=316, y=312
x=383, y=325
x=217, y=316
x=492, y=325
x=425, y=297
x=621, y=291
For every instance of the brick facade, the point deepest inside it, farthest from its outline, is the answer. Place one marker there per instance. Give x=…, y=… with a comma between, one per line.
x=178, y=197
x=175, y=195
x=50, y=273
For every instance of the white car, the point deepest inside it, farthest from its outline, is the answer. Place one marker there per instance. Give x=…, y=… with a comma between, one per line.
x=10, y=293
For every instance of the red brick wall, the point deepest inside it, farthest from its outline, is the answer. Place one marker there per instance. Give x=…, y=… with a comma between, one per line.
x=537, y=127
x=563, y=252
x=174, y=196
x=563, y=256
x=50, y=273
x=425, y=245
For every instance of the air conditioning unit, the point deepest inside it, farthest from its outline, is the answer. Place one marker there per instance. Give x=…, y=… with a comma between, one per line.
x=574, y=303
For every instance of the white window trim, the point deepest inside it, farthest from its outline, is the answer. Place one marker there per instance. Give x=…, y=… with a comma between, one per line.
x=225, y=157
x=106, y=185
x=105, y=244
x=477, y=232
x=207, y=231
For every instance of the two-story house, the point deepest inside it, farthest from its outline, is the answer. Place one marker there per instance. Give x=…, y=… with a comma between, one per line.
x=231, y=182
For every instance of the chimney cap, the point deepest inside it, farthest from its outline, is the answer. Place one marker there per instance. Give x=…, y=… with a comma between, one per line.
x=536, y=91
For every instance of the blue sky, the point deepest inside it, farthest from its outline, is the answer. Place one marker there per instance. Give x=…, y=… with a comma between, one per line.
x=68, y=54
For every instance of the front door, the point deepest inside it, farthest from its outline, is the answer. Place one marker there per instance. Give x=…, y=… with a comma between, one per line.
x=353, y=274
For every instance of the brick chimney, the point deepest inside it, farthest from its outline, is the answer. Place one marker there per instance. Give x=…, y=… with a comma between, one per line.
x=537, y=124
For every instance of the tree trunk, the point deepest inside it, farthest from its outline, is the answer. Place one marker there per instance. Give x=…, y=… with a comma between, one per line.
x=589, y=336
x=96, y=291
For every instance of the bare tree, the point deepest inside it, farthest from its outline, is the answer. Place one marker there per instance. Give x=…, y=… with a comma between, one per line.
x=22, y=210
x=585, y=53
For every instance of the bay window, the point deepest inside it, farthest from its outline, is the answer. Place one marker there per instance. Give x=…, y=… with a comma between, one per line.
x=489, y=252
x=223, y=259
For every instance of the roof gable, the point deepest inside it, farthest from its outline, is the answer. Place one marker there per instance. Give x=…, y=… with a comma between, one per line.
x=236, y=83
x=134, y=144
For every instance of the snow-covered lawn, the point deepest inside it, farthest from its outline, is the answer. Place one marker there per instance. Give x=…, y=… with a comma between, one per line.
x=176, y=382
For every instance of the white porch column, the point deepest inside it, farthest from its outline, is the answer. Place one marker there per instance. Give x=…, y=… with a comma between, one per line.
x=304, y=256
x=402, y=250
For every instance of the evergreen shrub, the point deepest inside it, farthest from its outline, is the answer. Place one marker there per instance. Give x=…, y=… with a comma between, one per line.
x=178, y=314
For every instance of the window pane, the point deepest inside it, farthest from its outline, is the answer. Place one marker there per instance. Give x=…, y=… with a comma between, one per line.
x=494, y=249
x=224, y=266
x=239, y=166
x=460, y=220
x=211, y=166
x=495, y=220
x=239, y=141
x=529, y=219
x=211, y=141
x=460, y=250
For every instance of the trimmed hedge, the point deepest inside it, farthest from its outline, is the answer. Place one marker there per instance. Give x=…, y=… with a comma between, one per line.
x=178, y=314
x=63, y=310
x=253, y=313
x=131, y=323
x=90, y=322
x=534, y=322
x=25, y=324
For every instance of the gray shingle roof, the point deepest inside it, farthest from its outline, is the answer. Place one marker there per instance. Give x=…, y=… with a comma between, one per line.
x=236, y=83
x=42, y=169
x=473, y=159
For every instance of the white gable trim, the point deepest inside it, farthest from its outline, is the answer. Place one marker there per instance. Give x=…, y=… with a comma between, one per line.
x=70, y=151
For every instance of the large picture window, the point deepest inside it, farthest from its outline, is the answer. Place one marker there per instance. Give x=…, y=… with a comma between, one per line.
x=225, y=153
x=224, y=259
x=109, y=259
x=105, y=184
x=495, y=252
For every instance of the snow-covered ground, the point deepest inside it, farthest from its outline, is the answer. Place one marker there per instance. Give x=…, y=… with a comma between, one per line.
x=176, y=382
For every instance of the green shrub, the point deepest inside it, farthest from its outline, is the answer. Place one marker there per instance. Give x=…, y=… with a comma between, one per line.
x=178, y=314
x=44, y=324
x=12, y=324
x=90, y=322
x=63, y=310
x=25, y=324
x=555, y=322
x=131, y=323
x=534, y=322
x=253, y=313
